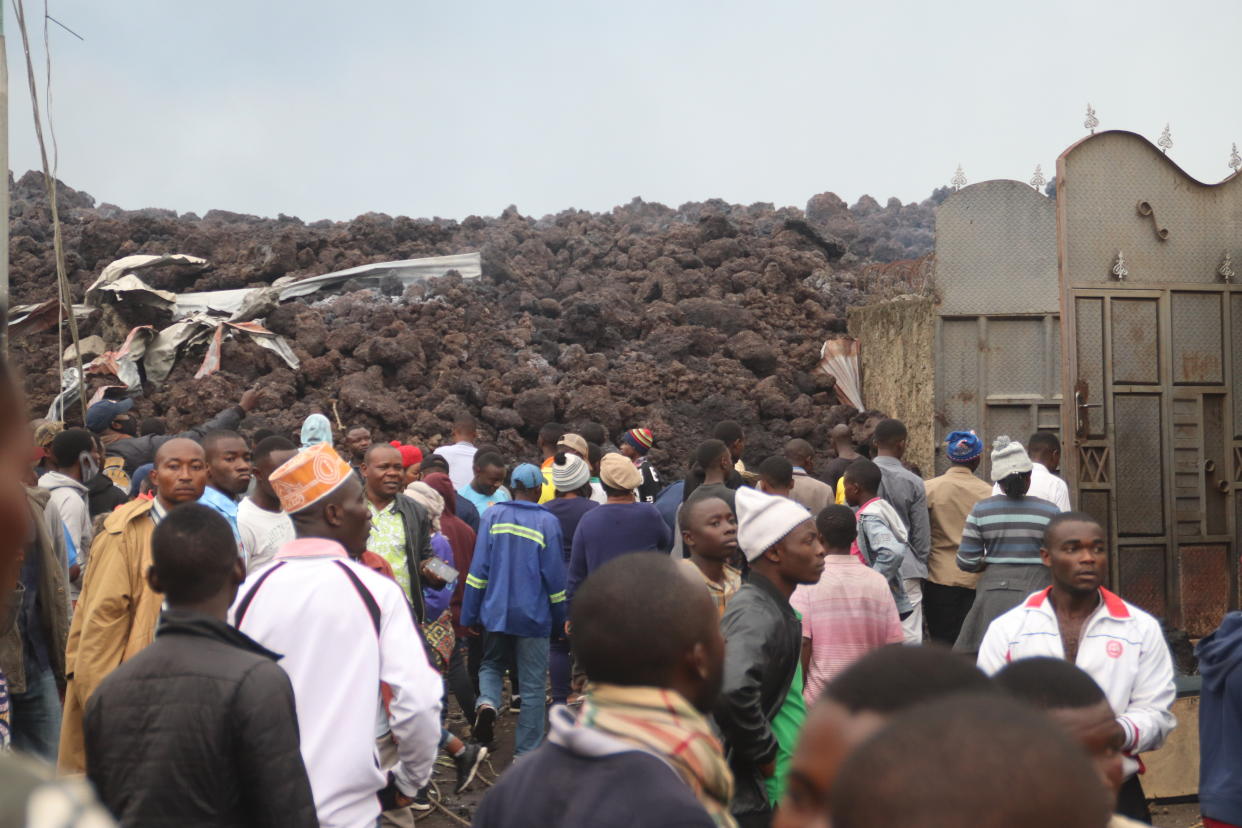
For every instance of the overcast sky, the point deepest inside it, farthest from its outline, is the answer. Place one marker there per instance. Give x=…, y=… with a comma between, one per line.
x=328, y=110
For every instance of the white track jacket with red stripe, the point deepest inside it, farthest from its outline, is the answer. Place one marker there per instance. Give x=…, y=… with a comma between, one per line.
x=1122, y=648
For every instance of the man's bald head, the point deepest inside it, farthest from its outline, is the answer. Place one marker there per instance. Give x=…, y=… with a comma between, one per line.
x=179, y=446
x=180, y=472
x=800, y=453
x=841, y=431
x=923, y=770
x=674, y=642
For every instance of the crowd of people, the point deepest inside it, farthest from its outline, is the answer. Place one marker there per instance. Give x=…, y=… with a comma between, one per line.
x=227, y=628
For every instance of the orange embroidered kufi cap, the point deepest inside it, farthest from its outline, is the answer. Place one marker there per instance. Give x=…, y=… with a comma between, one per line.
x=309, y=476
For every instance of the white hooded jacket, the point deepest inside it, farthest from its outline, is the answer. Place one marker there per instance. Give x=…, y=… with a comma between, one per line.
x=70, y=499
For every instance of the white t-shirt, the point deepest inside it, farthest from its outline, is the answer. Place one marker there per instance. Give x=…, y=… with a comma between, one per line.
x=460, y=457
x=1046, y=485
x=262, y=533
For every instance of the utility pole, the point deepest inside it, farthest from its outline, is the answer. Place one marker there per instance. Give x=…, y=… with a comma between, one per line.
x=4, y=191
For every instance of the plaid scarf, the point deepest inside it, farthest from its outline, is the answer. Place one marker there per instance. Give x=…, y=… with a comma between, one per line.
x=661, y=722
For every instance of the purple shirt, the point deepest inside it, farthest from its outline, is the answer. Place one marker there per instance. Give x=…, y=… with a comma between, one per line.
x=612, y=530
x=437, y=600
x=569, y=511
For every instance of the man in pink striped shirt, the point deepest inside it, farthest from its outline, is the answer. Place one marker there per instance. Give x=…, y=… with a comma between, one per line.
x=848, y=613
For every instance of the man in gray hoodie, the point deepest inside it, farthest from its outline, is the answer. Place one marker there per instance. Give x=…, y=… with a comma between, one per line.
x=73, y=463
x=906, y=492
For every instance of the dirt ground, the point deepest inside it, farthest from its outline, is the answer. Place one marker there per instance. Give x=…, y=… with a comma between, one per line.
x=454, y=811
x=458, y=810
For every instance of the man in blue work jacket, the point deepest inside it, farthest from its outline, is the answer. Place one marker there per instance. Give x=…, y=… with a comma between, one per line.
x=516, y=592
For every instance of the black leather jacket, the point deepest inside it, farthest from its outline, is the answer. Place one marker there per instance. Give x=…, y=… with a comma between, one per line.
x=763, y=640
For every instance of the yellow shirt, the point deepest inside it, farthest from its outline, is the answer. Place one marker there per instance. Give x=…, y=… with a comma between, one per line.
x=387, y=539
x=720, y=592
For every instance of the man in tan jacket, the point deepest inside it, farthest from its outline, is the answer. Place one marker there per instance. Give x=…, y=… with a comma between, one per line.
x=117, y=610
x=949, y=593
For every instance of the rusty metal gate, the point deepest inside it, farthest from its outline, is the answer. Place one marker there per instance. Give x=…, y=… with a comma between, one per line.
x=1158, y=442
x=1153, y=343
x=997, y=375
x=998, y=337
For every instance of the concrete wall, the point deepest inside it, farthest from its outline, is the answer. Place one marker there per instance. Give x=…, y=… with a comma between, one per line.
x=897, y=340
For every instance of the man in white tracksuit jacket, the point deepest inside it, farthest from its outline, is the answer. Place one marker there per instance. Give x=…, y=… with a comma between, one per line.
x=1116, y=643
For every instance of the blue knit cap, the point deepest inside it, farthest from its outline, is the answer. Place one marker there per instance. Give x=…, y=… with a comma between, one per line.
x=963, y=446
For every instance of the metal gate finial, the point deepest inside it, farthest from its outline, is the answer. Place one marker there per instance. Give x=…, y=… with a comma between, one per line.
x=1119, y=268
x=1225, y=271
x=1091, y=121
x=1235, y=160
x=1037, y=180
x=1166, y=140
x=959, y=179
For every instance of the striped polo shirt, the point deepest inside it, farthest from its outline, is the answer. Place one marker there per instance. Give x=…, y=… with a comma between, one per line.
x=1004, y=530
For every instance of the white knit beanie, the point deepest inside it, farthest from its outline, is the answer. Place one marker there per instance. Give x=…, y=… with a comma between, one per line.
x=1008, y=457
x=570, y=475
x=764, y=520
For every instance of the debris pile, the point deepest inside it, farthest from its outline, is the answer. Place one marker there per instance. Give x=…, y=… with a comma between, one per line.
x=647, y=315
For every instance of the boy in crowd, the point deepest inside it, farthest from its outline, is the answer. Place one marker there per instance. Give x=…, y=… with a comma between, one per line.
x=881, y=541
x=848, y=612
x=709, y=533
x=459, y=454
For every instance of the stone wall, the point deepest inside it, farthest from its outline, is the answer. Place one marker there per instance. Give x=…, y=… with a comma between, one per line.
x=897, y=360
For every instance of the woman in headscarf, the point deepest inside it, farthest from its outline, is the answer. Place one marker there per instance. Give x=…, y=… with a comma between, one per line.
x=436, y=601
x=315, y=430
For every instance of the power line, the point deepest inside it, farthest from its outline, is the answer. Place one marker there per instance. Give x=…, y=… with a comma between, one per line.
x=63, y=26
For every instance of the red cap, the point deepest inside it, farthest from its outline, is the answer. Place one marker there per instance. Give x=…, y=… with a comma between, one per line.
x=410, y=455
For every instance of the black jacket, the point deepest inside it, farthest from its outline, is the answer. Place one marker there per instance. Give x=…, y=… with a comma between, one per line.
x=417, y=548
x=198, y=729
x=763, y=640
x=102, y=495
x=137, y=451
